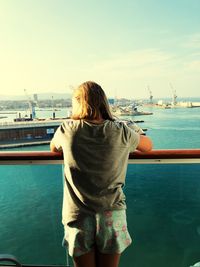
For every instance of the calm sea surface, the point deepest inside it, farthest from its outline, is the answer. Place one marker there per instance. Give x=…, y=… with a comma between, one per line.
x=163, y=201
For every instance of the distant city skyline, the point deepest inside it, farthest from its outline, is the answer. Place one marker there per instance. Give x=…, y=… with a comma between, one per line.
x=129, y=47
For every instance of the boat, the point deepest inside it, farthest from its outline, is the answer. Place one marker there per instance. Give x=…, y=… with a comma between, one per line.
x=28, y=131
x=194, y=105
x=128, y=111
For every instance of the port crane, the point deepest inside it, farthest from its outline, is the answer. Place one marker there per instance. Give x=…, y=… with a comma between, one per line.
x=31, y=104
x=174, y=98
x=151, y=96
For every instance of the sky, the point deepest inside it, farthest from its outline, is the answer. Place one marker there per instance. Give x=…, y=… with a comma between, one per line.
x=129, y=47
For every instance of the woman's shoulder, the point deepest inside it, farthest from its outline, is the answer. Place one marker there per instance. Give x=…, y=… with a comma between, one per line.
x=109, y=124
x=118, y=124
x=70, y=124
x=123, y=126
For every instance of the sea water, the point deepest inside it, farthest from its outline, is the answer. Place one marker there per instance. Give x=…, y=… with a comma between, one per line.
x=163, y=202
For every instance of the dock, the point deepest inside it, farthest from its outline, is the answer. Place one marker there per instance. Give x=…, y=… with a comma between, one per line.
x=24, y=144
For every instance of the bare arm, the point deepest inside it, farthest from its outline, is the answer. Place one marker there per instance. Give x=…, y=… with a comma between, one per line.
x=145, y=144
x=53, y=147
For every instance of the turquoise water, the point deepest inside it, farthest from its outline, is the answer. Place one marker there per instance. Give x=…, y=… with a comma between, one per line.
x=173, y=128
x=163, y=202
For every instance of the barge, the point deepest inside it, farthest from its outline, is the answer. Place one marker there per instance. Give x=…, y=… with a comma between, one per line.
x=31, y=132
x=28, y=132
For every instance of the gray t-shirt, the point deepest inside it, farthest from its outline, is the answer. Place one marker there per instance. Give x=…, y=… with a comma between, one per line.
x=95, y=160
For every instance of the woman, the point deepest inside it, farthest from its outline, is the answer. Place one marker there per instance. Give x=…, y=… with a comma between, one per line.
x=96, y=150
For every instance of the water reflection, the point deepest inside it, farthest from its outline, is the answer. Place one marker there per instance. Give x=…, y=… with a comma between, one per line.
x=163, y=214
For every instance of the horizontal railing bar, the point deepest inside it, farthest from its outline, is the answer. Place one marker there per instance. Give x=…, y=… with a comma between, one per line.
x=30, y=155
x=155, y=156
x=32, y=265
x=167, y=154
x=8, y=260
x=165, y=161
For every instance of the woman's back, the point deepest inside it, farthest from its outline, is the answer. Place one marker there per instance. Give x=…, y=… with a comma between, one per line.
x=96, y=150
x=95, y=157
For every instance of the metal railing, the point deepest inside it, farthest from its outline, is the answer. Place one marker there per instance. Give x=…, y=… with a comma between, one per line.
x=153, y=157
x=7, y=260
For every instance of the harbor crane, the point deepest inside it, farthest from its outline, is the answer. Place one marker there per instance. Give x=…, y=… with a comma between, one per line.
x=174, y=98
x=31, y=104
x=151, y=96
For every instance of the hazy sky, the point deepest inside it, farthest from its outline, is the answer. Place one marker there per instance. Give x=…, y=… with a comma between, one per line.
x=127, y=46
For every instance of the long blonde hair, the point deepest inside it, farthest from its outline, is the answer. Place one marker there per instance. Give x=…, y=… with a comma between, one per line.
x=92, y=102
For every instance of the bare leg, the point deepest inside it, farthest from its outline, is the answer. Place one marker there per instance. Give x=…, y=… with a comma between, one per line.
x=107, y=260
x=86, y=260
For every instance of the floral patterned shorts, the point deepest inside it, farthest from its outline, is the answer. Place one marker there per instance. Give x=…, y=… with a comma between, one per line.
x=106, y=230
